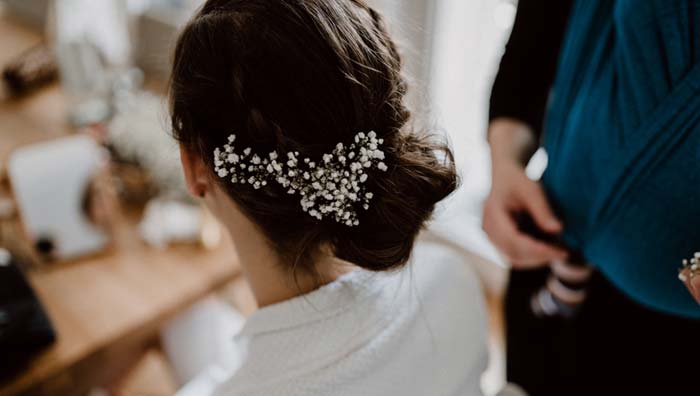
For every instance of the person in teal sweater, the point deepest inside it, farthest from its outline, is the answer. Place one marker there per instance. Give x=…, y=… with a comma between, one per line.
x=619, y=112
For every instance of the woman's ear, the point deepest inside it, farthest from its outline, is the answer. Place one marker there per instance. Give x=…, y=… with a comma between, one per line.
x=196, y=174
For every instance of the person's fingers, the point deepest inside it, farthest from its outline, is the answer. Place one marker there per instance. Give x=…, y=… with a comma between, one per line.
x=527, y=252
x=535, y=202
x=521, y=249
x=691, y=282
x=695, y=287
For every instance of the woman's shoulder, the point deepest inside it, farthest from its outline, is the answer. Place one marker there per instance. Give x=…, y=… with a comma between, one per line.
x=430, y=311
x=447, y=277
x=436, y=262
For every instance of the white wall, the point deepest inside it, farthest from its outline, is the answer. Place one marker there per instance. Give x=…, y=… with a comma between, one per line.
x=452, y=49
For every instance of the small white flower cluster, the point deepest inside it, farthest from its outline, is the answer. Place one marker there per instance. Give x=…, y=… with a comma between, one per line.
x=334, y=187
x=693, y=263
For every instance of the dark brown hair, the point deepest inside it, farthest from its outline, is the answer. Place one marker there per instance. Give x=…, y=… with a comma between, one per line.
x=304, y=75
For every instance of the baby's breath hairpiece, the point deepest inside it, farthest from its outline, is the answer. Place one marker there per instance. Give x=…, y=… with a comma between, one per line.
x=332, y=188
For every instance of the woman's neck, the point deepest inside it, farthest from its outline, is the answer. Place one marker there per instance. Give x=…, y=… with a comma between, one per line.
x=270, y=279
x=272, y=283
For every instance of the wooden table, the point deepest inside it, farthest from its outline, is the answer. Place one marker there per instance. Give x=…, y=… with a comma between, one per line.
x=106, y=309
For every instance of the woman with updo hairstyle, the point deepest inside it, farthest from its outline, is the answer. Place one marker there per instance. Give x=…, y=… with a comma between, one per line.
x=293, y=131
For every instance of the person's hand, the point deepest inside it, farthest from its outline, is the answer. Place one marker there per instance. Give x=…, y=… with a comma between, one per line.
x=691, y=280
x=513, y=193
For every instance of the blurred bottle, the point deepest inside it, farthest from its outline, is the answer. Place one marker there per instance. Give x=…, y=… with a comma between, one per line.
x=92, y=44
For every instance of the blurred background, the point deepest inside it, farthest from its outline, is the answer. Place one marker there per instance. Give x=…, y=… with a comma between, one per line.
x=98, y=238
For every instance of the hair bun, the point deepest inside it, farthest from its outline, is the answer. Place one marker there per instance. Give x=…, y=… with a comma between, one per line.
x=421, y=173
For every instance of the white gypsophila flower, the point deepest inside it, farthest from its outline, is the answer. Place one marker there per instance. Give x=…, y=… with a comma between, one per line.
x=137, y=132
x=334, y=189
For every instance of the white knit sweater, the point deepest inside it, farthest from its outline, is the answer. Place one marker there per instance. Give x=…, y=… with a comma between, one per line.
x=419, y=331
